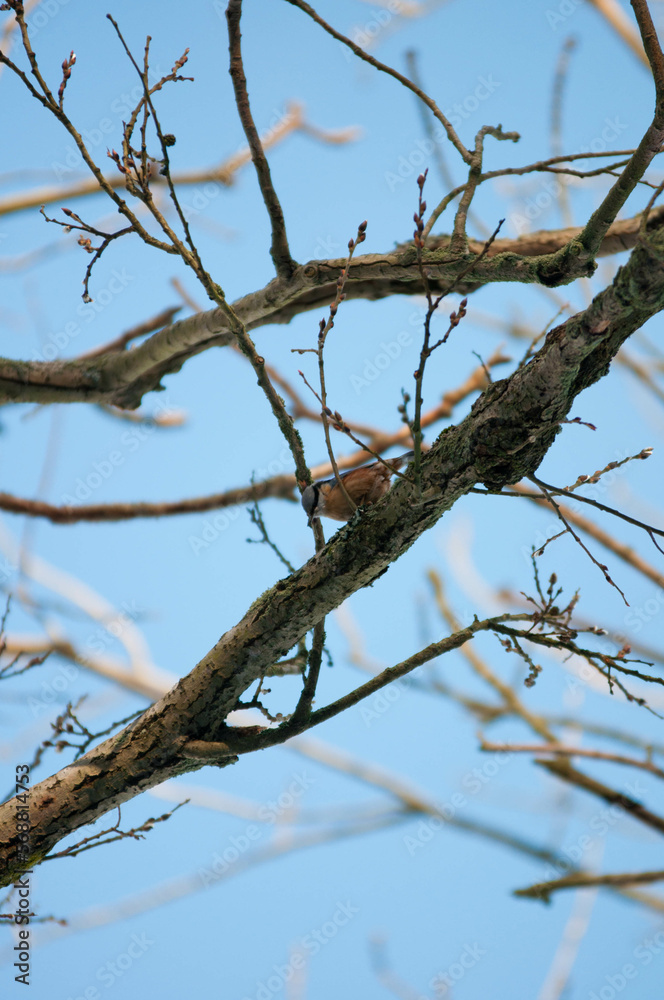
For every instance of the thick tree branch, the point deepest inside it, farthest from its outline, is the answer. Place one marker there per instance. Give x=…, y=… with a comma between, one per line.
x=564, y=770
x=504, y=438
x=123, y=378
x=277, y=486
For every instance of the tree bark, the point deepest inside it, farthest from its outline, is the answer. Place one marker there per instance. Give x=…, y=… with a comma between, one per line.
x=504, y=438
x=122, y=378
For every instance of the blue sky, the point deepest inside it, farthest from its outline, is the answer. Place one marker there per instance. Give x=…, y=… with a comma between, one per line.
x=440, y=898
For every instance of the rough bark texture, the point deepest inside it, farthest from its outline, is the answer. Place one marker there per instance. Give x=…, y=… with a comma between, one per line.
x=506, y=435
x=122, y=378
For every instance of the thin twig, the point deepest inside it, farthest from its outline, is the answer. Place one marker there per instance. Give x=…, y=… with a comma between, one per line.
x=282, y=486
x=257, y=519
x=624, y=552
x=280, y=251
x=459, y=240
x=559, y=82
x=601, y=566
x=543, y=890
x=437, y=150
x=633, y=808
x=324, y=329
x=540, y=166
x=163, y=318
x=650, y=529
x=302, y=712
x=403, y=80
x=556, y=748
x=95, y=840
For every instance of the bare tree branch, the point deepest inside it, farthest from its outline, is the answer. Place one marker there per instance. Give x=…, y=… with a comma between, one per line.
x=557, y=749
x=224, y=173
x=494, y=445
x=361, y=54
x=280, y=251
x=122, y=379
x=543, y=890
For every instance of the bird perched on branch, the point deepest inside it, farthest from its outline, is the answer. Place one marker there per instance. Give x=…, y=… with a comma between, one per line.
x=364, y=486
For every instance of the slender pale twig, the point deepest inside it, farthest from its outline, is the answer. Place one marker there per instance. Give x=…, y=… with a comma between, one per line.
x=563, y=751
x=616, y=17
x=559, y=82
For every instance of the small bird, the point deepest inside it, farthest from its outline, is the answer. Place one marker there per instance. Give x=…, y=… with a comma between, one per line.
x=365, y=486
